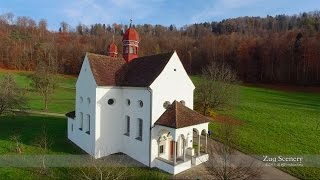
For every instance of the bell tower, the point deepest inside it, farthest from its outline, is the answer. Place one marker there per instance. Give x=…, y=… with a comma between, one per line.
x=113, y=49
x=130, y=42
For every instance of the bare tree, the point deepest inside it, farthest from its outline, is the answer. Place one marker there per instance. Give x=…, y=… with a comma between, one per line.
x=218, y=87
x=11, y=96
x=17, y=140
x=225, y=163
x=43, y=142
x=44, y=82
x=102, y=169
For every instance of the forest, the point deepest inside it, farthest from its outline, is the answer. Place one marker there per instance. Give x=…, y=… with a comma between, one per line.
x=273, y=49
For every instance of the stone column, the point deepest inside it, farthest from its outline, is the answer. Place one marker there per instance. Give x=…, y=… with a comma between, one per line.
x=174, y=153
x=199, y=144
x=159, y=148
x=206, y=150
x=184, y=150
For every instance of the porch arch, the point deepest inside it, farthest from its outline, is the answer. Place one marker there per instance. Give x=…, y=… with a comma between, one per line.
x=204, y=141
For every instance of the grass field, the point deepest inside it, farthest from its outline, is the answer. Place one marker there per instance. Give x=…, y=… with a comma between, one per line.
x=62, y=100
x=277, y=123
x=274, y=122
x=29, y=128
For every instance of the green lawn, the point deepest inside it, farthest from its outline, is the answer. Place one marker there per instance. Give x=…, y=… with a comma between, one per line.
x=29, y=128
x=62, y=100
x=275, y=122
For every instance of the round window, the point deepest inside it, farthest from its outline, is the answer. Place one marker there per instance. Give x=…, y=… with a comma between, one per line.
x=111, y=101
x=140, y=103
x=166, y=104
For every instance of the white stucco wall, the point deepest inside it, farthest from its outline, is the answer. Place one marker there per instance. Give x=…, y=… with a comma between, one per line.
x=108, y=122
x=85, y=88
x=173, y=83
x=111, y=122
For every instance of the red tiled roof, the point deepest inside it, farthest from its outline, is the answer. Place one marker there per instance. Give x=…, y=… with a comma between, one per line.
x=140, y=72
x=107, y=71
x=178, y=116
x=131, y=34
x=113, y=48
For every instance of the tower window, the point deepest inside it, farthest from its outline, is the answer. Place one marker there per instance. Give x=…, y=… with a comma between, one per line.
x=131, y=50
x=135, y=50
x=126, y=50
x=140, y=103
x=128, y=102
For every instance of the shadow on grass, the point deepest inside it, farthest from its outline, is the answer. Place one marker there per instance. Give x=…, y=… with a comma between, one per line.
x=29, y=128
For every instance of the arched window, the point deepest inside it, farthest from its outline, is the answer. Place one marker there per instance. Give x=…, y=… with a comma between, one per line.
x=140, y=126
x=128, y=102
x=88, y=124
x=81, y=121
x=127, y=132
x=140, y=103
x=88, y=100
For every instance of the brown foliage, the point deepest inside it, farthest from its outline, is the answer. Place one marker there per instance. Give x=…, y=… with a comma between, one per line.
x=281, y=49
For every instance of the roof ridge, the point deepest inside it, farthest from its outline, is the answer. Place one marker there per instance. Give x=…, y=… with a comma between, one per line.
x=160, y=54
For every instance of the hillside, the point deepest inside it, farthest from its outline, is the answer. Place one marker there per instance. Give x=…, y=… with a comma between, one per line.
x=268, y=49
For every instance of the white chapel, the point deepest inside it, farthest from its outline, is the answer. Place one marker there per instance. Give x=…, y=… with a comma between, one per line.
x=139, y=106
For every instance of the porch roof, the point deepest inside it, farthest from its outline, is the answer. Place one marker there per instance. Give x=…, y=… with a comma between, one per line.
x=178, y=116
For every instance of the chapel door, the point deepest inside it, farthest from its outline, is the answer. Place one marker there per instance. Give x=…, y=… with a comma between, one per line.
x=171, y=149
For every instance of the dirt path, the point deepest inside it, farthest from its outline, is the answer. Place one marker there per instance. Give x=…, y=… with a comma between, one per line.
x=40, y=112
x=268, y=173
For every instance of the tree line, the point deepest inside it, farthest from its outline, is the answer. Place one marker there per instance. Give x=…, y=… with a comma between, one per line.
x=279, y=49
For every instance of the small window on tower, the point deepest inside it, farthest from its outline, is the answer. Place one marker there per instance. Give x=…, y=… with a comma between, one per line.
x=131, y=50
x=135, y=50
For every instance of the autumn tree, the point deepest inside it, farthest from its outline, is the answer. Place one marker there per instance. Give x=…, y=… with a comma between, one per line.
x=217, y=89
x=11, y=96
x=44, y=81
